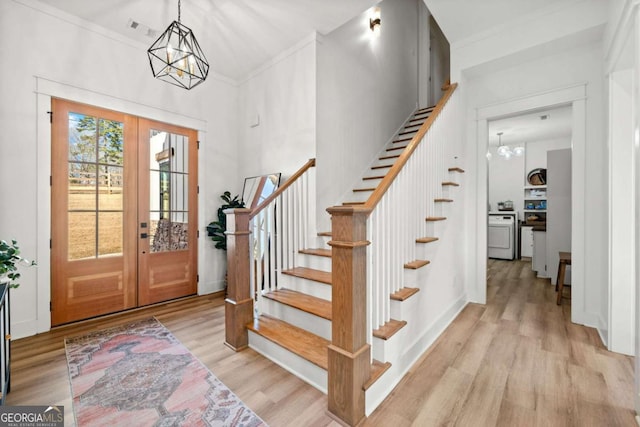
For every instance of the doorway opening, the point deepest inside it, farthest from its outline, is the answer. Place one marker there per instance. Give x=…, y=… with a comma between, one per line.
x=529, y=188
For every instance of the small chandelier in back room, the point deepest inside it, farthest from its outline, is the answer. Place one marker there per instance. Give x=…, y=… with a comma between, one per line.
x=506, y=151
x=176, y=57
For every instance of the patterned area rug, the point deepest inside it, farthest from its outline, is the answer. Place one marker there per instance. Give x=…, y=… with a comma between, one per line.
x=141, y=375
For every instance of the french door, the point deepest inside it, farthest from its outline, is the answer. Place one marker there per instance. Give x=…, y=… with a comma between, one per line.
x=124, y=208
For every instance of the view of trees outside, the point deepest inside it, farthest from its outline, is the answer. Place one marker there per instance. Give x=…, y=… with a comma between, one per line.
x=95, y=170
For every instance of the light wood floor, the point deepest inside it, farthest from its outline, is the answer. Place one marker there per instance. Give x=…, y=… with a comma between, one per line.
x=516, y=362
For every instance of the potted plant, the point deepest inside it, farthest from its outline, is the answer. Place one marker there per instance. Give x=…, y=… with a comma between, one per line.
x=216, y=229
x=10, y=259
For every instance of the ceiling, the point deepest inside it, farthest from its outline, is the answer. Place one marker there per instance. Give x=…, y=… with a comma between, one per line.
x=462, y=19
x=236, y=36
x=531, y=127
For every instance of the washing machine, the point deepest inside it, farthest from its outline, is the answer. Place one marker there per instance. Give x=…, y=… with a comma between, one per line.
x=501, y=236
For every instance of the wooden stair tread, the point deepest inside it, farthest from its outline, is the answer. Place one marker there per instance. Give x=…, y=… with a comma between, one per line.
x=389, y=329
x=404, y=294
x=408, y=132
x=443, y=200
x=396, y=148
x=298, y=341
x=361, y=190
x=316, y=251
x=422, y=120
x=393, y=156
x=411, y=126
x=352, y=203
x=381, y=167
x=435, y=218
x=456, y=170
x=377, y=369
x=450, y=183
x=366, y=178
x=324, y=234
x=416, y=264
x=310, y=274
x=401, y=140
x=426, y=109
x=426, y=239
x=307, y=303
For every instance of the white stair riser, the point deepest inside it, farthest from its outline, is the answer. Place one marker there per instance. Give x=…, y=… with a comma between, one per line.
x=436, y=228
x=302, y=368
x=316, y=262
x=301, y=319
x=400, y=310
x=427, y=251
x=309, y=287
x=388, y=350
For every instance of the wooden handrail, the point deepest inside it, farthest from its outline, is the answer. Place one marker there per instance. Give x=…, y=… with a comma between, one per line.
x=311, y=163
x=384, y=185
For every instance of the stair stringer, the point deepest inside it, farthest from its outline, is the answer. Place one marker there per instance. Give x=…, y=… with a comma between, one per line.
x=441, y=298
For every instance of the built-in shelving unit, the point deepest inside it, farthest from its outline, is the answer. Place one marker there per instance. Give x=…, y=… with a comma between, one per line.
x=535, y=200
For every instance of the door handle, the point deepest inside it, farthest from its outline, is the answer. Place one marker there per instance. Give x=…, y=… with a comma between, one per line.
x=144, y=235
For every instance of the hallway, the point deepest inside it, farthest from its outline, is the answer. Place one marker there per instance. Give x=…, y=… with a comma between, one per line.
x=519, y=361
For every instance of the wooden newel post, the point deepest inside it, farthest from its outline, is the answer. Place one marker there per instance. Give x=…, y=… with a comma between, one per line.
x=238, y=307
x=349, y=353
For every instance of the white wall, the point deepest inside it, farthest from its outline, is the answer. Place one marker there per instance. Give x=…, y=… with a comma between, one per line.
x=367, y=87
x=277, y=120
x=54, y=52
x=505, y=181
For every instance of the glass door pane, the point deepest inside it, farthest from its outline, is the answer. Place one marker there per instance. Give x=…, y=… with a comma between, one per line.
x=95, y=184
x=168, y=191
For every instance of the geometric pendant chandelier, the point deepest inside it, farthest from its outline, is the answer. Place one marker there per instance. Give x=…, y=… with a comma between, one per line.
x=176, y=57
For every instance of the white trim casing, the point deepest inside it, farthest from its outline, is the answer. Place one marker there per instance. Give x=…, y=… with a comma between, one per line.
x=45, y=89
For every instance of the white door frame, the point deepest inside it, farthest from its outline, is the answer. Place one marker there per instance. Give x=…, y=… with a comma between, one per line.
x=575, y=96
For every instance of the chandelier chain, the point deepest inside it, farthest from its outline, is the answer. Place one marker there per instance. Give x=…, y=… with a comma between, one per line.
x=179, y=2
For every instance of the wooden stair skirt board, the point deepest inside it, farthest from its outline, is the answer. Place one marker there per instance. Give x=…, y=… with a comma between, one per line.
x=416, y=264
x=443, y=200
x=389, y=329
x=317, y=252
x=404, y=294
x=426, y=239
x=305, y=345
x=450, y=184
x=310, y=274
x=303, y=302
x=456, y=170
x=435, y=218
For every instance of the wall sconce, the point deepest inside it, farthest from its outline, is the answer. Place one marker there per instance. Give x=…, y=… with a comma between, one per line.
x=374, y=21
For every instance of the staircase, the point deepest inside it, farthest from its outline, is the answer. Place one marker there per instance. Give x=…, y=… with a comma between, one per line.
x=303, y=314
